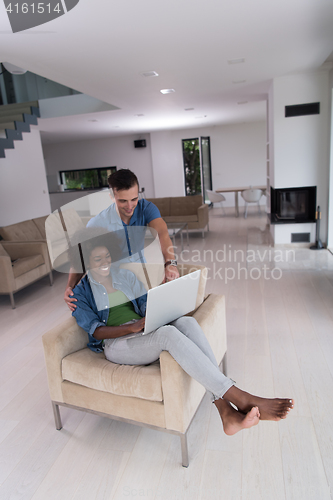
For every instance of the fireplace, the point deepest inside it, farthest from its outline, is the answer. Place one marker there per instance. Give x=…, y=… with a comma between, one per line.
x=293, y=205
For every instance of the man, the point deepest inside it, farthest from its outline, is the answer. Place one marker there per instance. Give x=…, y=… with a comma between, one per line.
x=126, y=212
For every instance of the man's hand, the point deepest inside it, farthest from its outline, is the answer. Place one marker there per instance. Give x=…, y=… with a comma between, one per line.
x=138, y=325
x=171, y=273
x=68, y=297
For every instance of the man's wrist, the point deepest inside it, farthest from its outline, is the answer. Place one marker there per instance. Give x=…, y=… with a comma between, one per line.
x=171, y=262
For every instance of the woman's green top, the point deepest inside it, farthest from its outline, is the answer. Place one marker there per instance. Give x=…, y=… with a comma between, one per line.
x=121, y=309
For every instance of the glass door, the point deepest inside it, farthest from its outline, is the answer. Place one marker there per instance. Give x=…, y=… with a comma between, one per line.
x=206, y=167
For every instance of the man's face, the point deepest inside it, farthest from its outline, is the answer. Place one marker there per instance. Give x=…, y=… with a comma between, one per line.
x=126, y=201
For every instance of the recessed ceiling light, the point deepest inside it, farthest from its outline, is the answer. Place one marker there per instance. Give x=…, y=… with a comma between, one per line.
x=242, y=102
x=189, y=109
x=236, y=61
x=167, y=91
x=238, y=81
x=149, y=73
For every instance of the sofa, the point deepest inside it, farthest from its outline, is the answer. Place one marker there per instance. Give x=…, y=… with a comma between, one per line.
x=189, y=209
x=160, y=395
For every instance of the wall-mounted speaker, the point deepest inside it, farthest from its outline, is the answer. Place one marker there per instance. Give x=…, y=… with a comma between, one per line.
x=312, y=108
x=141, y=143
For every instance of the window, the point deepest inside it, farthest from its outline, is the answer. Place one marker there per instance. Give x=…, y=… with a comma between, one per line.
x=197, y=166
x=92, y=178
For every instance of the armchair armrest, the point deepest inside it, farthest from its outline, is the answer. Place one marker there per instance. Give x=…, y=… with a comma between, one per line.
x=203, y=215
x=181, y=393
x=19, y=249
x=7, y=282
x=58, y=343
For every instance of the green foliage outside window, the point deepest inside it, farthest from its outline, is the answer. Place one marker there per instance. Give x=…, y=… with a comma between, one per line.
x=191, y=156
x=86, y=179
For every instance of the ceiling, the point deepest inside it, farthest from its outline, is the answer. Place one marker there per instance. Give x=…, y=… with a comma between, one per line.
x=101, y=48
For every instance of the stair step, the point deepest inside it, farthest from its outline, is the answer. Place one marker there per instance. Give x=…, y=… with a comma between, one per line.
x=17, y=125
x=14, y=135
x=6, y=144
x=16, y=108
x=15, y=119
x=11, y=112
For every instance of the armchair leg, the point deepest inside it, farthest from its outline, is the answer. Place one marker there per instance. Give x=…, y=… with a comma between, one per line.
x=57, y=417
x=11, y=295
x=51, y=278
x=183, y=441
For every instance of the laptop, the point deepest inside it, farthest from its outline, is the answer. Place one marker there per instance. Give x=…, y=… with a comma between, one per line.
x=170, y=301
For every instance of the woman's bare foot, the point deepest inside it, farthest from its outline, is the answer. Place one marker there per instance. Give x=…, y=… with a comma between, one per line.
x=270, y=409
x=234, y=421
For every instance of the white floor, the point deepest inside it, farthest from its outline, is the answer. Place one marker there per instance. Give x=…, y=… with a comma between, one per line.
x=280, y=343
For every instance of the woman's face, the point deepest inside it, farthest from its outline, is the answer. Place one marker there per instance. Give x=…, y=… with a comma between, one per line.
x=100, y=261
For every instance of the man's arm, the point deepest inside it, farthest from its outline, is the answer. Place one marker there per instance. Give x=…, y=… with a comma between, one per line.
x=171, y=272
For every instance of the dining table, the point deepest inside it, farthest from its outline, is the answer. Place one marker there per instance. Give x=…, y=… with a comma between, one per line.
x=237, y=190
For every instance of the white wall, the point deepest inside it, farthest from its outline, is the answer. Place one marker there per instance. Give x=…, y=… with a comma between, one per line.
x=238, y=155
x=23, y=186
x=114, y=151
x=301, y=144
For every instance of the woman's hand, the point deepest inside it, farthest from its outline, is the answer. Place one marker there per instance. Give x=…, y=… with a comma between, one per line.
x=138, y=325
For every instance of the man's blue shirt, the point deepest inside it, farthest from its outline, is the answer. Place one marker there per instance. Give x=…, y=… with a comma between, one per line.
x=143, y=214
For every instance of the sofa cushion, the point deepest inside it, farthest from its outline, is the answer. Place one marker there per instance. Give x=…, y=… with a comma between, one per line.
x=185, y=205
x=92, y=370
x=163, y=204
x=181, y=218
x=22, y=231
x=26, y=264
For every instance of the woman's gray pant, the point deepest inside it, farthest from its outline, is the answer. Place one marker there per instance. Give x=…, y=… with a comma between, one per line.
x=187, y=344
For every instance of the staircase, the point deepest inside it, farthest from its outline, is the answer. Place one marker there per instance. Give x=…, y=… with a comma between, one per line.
x=14, y=120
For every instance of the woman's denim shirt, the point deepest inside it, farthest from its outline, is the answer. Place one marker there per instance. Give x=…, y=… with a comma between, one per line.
x=92, y=303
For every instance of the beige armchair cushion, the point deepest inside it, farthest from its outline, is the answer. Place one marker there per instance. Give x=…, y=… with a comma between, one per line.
x=26, y=264
x=3, y=252
x=22, y=231
x=92, y=370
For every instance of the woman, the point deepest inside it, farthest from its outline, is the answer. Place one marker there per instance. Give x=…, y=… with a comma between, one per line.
x=111, y=303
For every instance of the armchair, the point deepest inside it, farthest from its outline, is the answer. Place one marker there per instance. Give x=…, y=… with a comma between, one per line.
x=160, y=396
x=22, y=263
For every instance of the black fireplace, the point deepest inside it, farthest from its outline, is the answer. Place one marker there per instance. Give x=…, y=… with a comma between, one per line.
x=293, y=205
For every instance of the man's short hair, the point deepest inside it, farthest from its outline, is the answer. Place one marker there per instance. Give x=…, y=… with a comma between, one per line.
x=122, y=179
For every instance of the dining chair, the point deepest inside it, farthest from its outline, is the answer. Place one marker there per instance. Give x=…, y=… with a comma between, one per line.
x=251, y=196
x=216, y=198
